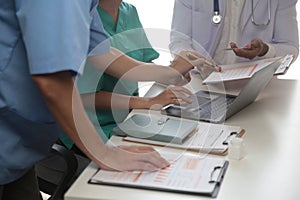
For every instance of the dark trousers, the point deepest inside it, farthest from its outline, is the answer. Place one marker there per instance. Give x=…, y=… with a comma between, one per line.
x=24, y=188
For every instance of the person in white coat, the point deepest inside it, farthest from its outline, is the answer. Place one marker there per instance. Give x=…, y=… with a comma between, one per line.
x=251, y=29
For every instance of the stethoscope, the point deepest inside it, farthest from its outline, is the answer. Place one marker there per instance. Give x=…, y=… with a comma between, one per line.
x=217, y=18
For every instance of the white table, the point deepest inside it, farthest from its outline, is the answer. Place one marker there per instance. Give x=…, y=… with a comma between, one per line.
x=270, y=171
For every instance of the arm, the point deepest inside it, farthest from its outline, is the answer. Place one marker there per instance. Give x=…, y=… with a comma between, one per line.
x=64, y=102
x=286, y=42
x=282, y=41
x=134, y=70
x=108, y=100
x=51, y=67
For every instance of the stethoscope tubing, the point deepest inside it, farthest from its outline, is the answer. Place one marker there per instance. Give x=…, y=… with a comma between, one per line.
x=217, y=18
x=269, y=15
x=216, y=6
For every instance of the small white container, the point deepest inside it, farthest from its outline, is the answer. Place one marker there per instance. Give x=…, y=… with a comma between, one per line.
x=236, y=148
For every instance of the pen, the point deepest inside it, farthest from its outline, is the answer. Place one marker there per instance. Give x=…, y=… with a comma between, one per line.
x=216, y=67
x=252, y=48
x=192, y=56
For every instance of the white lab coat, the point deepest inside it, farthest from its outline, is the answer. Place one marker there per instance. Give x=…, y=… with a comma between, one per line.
x=192, y=28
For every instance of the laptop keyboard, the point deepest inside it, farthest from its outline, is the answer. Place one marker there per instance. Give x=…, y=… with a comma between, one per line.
x=209, y=106
x=205, y=106
x=215, y=109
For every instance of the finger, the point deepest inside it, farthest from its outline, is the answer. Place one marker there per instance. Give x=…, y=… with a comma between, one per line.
x=233, y=45
x=138, y=149
x=246, y=53
x=181, y=89
x=178, y=80
x=198, y=62
x=253, y=52
x=156, y=160
x=193, y=55
x=178, y=102
x=179, y=93
x=183, y=64
x=179, y=97
x=149, y=160
x=254, y=44
x=181, y=81
x=144, y=166
x=248, y=46
x=145, y=149
x=187, y=76
x=257, y=44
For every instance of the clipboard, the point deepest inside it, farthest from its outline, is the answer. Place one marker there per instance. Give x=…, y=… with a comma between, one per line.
x=198, y=176
x=208, y=138
x=287, y=61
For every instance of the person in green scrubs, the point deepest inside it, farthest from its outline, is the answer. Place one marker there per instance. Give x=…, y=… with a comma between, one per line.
x=114, y=98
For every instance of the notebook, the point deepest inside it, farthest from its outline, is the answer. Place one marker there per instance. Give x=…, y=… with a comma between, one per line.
x=217, y=107
x=156, y=127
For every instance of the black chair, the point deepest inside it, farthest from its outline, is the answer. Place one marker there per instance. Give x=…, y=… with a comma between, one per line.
x=57, y=171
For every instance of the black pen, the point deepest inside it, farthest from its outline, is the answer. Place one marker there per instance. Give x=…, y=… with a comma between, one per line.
x=245, y=48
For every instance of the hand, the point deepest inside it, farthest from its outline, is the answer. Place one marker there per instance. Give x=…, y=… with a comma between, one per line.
x=172, y=95
x=183, y=63
x=187, y=77
x=205, y=70
x=129, y=158
x=256, y=48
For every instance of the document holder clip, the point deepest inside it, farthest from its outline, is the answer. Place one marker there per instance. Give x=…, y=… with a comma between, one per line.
x=221, y=170
x=226, y=141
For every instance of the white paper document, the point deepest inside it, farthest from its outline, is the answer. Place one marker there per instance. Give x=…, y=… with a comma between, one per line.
x=209, y=138
x=246, y=70
x=187, y=173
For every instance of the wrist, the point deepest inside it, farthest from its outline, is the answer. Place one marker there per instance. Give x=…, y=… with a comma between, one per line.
x=265, y=50
x=104, y=160
x=139, y=102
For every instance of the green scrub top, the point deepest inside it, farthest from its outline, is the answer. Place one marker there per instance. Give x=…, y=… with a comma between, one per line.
x=128, y=36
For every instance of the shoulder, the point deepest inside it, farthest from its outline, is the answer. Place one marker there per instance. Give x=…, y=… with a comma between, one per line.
x=129, y=12
x=287, y=3
x=128, y=7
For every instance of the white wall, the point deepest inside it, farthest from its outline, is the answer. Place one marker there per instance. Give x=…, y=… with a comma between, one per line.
x=158, y=14
x=156, y=17
x=154, y=13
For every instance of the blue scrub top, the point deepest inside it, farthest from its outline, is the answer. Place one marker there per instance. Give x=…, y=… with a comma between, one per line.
x=38, y=37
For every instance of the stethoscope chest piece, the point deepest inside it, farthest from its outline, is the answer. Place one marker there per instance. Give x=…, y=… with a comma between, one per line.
x=217, y=18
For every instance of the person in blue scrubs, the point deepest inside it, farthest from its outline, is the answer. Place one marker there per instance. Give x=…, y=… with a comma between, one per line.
x=43, y=45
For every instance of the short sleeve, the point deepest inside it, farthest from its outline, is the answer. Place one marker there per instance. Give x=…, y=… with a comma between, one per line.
x=58, y=35
x=99, y=41
x=89, y=80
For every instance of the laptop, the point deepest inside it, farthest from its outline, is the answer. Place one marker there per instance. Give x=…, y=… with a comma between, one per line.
x=217, y=107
